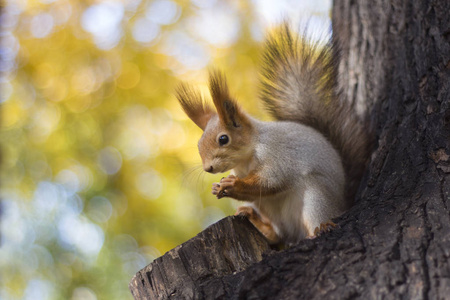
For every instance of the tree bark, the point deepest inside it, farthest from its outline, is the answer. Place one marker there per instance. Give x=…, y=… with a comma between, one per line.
x=395, y=242
x=226, y=247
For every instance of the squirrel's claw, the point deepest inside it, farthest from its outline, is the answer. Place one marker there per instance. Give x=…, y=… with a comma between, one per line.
x=215, y=189
x=218, y=191
x=225, y=187
x=323, y=228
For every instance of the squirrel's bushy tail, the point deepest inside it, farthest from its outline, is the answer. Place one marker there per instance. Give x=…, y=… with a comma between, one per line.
x=299, y=84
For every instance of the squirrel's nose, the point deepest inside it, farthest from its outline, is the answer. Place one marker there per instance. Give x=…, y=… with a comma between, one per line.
x=209, y=170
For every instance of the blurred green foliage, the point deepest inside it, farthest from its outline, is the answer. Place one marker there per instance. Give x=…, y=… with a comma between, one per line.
x=100, y=171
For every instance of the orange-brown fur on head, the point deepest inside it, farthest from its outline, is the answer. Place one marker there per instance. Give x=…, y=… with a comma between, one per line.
x=193, y=105
x=230, y=120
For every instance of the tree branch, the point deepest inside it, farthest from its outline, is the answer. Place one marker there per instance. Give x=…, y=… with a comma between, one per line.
x=226, y=247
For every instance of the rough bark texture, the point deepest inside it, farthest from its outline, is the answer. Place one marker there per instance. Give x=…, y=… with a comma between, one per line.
x=228, y=246
x=395, y=242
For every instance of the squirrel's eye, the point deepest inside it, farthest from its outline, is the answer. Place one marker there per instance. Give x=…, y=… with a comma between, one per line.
x=223, y=139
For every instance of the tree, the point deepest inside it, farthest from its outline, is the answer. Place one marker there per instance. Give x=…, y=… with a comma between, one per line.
x=395, y=241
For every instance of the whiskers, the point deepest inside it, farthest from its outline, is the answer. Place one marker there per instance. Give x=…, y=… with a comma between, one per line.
x=194, y=176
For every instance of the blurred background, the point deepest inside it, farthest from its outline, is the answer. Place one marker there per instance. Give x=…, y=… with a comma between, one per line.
x=100, y=172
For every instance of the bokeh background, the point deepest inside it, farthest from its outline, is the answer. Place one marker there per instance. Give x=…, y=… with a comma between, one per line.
x=100, y=172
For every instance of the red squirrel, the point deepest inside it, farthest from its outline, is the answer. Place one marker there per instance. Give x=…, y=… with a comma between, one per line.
x=296, y=173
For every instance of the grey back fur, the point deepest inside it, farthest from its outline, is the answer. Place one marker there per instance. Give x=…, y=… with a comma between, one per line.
x=299, y=83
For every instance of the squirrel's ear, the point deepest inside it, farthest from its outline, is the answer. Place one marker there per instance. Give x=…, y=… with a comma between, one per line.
x=193, y=105
x=228, y=110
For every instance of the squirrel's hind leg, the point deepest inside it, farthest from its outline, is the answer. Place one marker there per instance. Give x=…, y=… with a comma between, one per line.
x=323, y=228
x=263, y=224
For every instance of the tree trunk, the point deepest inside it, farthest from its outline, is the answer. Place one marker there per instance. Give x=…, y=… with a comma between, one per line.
x=395, y=242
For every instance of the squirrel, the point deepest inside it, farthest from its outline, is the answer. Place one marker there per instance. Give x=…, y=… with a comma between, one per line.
x=296, y=173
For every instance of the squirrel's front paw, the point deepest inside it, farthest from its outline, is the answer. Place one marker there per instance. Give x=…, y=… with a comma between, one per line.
x=225, y=187
x=215, y=188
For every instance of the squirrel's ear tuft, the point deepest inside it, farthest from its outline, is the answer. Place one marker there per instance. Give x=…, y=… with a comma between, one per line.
x=228, y=110
x=193, y=105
